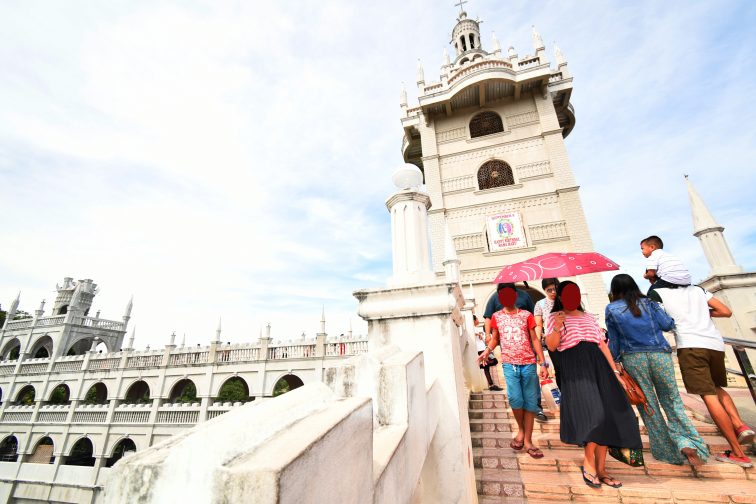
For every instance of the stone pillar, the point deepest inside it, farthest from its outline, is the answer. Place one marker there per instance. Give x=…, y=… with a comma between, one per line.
x=409, y=219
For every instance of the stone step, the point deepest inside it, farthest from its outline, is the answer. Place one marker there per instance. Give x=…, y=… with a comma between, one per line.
x=553, y=486
x=568, y=460
x=490, y=424
x=551, y=440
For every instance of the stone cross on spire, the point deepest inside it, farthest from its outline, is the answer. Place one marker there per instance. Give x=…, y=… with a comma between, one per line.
x=460, y=4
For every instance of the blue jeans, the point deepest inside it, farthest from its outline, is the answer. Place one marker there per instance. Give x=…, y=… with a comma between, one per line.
x=523, y=390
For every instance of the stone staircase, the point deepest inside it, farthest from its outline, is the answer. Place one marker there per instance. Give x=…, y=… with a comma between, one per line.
x=506, y=476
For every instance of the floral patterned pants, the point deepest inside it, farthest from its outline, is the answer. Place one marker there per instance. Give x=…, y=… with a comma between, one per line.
x=655, y=373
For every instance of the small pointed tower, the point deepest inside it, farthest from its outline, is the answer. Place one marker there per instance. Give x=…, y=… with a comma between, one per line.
x=711, y=236
x=727, y=280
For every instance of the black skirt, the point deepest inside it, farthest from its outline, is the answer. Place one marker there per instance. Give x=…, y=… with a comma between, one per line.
x=594, y=406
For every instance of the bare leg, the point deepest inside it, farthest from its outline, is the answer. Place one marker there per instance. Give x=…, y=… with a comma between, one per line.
x=729, y=407
x=723, y=421
x=519, y=415
x=528, y=420
x=601, y=465
x=589, y=460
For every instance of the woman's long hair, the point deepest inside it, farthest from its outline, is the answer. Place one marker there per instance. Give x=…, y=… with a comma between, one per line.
x=558, y=301
x=624, y=287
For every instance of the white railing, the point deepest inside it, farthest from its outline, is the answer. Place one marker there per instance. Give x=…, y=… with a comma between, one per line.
x=458, y=183
x=184, y=358
x=529, y=63
x=104, y=363
x=90, y=413
x=53, y=414
x=50, y=321
x=8, y=367
x=470, y=241
x=513, y=121
x=18, y=413
x=112, y=325
x=555, y=77
x=179, y=414
x=537, y=169
x=149, y=360
x=33, y=366
x=69, y=363
x=346, y=348
x=549, y=231
x=18, y=324
x=477, y=67
x=292, y=351
x=230, y=354
x=132, y=413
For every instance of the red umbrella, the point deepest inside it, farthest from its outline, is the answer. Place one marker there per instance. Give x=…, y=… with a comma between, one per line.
x=556, y=265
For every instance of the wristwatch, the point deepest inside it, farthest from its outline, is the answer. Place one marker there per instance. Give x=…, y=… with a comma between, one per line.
x=544, y=364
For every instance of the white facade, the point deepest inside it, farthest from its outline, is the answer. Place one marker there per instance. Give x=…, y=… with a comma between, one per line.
x=510, y=162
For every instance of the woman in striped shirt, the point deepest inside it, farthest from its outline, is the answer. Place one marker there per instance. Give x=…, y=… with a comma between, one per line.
x=595, y=412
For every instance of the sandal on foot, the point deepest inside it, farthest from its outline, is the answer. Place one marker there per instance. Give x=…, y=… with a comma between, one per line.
x=609, y=481
x=517, y=446
x=588, y=481
x=535, y=452
x=745, y=434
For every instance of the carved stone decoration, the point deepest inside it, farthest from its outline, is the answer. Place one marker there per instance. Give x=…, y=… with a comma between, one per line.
x=495, y=173
x=485, y=123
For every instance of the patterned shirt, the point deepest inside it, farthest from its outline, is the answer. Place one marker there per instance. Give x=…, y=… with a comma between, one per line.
x=543, y=309
x=514, y=336
x=577, y=328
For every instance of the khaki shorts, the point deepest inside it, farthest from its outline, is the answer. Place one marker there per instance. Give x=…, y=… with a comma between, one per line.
x=703, y=370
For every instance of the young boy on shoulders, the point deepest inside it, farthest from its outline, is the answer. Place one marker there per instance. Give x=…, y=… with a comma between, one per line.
x=521, y=350
x=663, y=269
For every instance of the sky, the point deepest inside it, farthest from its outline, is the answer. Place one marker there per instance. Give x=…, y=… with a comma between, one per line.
x=230, y=160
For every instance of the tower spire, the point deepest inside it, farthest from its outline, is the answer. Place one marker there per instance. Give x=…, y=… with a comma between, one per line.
x=711, y=236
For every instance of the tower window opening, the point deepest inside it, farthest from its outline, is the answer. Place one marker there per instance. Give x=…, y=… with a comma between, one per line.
x=485, y=123
x=464, y=45
x=495, y=173
x=472, y=41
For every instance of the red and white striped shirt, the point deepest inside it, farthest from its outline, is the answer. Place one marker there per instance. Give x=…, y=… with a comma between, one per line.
x=577, y=328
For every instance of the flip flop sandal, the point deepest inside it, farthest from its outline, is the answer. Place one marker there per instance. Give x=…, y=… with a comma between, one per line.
x=610, y=482
x=536, y=453
x=517, y=446
x=587, y=481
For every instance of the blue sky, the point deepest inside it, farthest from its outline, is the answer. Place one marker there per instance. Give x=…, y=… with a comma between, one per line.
x=232, y=160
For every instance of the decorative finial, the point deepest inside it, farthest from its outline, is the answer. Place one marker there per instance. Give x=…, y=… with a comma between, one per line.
x=447, y=61
x=183, y=340
x=403, y=96
x=131, y=338
x=460, y=4
x=173, y=338
x=129, y=306
x=560, y=59
x=420, y=72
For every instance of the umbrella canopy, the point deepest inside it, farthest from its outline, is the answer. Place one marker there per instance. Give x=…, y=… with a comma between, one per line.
x=556, y=265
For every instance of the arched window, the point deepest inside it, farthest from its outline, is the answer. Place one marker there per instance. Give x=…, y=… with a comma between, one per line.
x=43, y=453
x=63, y=310
x=123, y=447
x=485, y=123
x=138, y=393
x=9, y=449
x=464, y=44
x=26, y=396
x=82, y=454
x=183, y=392
x=42, y=348
x=97, y=394
x=60, y=395
x=495, y=173
x=233, y=390
x=287, y=383
x=12, y=350
x=472, y=41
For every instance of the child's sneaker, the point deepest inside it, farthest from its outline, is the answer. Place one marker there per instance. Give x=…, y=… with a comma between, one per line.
x=728, y=457
x=745, y=434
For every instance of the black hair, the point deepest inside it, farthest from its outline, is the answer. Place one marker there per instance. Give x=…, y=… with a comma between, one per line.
x=624, y=287
x=654, y=241
x=558, y=301
x=504, y=286
x=546, y=282
x=475, y=317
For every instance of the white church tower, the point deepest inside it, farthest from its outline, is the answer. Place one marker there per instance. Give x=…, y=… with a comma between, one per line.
x=489, y=139
x=727, y=281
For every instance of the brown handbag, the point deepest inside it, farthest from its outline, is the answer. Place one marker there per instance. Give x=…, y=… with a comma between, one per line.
x=634, y=393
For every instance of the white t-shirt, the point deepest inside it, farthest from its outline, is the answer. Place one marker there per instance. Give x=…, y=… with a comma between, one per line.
x=693, y=325
x=479, y=343
x=668, y=267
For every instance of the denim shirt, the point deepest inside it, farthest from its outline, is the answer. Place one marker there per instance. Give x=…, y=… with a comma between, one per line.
x=630, y=334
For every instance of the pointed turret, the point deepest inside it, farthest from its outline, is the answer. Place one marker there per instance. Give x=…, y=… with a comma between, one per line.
x=403, y=97
x=538, y=44
x=218, y=331
x=495, y=44
x=13, y=309
x=711, y=236
x=131, y=339
x=41, y=310
x=446, y=60
x=420, y=75
x=322, y=321
x=561, y=62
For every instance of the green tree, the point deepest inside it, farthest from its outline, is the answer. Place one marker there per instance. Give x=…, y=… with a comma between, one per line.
x=188, y=395
x=281, y=387
x=234, y=390
x=59, y=395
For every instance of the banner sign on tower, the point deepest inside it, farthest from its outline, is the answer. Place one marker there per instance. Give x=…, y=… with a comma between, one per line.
x=505, y=232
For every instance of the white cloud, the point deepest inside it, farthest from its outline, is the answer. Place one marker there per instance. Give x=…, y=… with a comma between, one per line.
x=231, y=159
